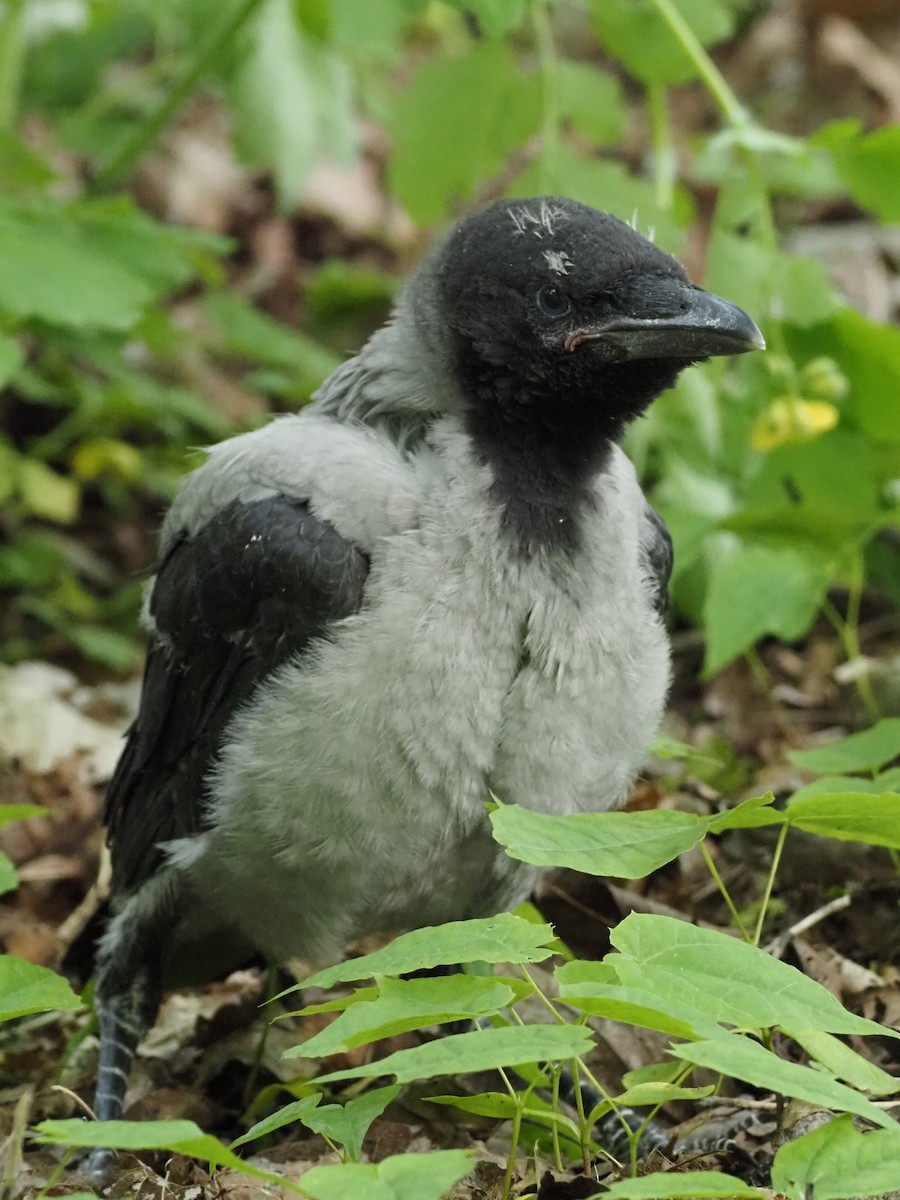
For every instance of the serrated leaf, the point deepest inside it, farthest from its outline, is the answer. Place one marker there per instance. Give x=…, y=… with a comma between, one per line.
x=849, y=817
x=182, y=1137
x=865, y=751
x=455, y=125
x=403, y=1177
x=482, y=1050
x=838, y=1162
x=742, y=1058
x=504, y=938
x=635, y=34
x=26, y=988
x=689, y=1185
x=723, y=979
x=761, y=589
x=404, y=1004
x=625, y=844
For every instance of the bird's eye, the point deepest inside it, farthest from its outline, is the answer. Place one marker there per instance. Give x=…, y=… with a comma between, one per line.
x=553, y=301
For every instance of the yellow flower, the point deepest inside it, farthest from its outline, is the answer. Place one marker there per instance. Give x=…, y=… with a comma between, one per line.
x=792, y=419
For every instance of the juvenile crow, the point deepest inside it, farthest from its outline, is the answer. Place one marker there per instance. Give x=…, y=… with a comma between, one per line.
x=438, y=580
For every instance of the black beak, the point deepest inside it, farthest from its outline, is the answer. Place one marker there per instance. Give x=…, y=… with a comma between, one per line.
x=665, y=317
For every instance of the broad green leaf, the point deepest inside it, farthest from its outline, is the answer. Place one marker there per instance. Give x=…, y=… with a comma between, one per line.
x=625, y=844
x=803, y=476
x=292, y=99
x=868, y=165
x=757, y=590
x=749, y=814
x=26, y=988
x=742, y=1058
x=594, y=989
x=182, y=1137
x=829, y=784
x=804, y=289
x=9, y=879
x=724, y=979
x=635, y=34
x=503, y=938
x=850, y=817
x=455, y=125
x=20, y=812
x=404, y=1004
x=837, y=1162
x=347, y=1124
x=403, y=1177
x=590, y=100
x=295, y=1111
x=482, y=1050
x=689, y=1185
x=866, y=751
x=845, y=1063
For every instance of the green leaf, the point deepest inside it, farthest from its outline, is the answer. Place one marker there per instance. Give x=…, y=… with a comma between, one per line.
x=868, y=165
x=724, y=979
x=347, y=1124
x=297, y=1110
x=625, y=844
x=692, y=1185
x=105, y=646
x=26, y=988
x=761, y=589
x=742, y=1058
x=482, y=1050
x=455, y=125
x=292, y=97
x=182, y=1137
x=804, y=289
x=403, y=1177
x=837, y=1162
x=9, y=878
x=633, y=1006
x=802, y=476
x=590, y=100
x=405, y=1004
x=828, y=784
x=260, y=338
x=845, y=1063
x=500, y=1105
x=503, y=938
x=866, y=751
x=850, y=817
x=635, y=34
x=653, y=1093
x=44, y=493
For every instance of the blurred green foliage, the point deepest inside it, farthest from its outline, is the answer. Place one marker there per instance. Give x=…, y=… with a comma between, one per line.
x=776, y=472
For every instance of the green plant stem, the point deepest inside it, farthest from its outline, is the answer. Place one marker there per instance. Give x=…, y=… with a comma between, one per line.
x=733, y=111
x=147, y=130
x=549, y=70
x=770, y=882
x=848, y=632
x=664, y=159
x=720, y=884
x=514, y=1139
x=11, y=55
x=583, y=1132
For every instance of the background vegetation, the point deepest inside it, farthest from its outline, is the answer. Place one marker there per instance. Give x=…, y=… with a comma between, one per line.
x=204, y=207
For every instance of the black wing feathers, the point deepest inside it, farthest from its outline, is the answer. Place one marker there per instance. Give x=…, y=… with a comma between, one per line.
x=660, y=557
x=231, y=604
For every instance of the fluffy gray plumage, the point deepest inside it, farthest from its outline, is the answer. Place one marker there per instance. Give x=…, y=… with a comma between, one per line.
x=439, y=580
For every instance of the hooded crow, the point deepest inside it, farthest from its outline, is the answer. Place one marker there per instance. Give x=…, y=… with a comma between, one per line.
x=439, y=580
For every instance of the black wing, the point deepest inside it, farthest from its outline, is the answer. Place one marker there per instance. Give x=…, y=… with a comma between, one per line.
x=231, y=604
x=660, y=556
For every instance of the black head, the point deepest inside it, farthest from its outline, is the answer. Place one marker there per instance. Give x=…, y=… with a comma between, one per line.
x=563, y=325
